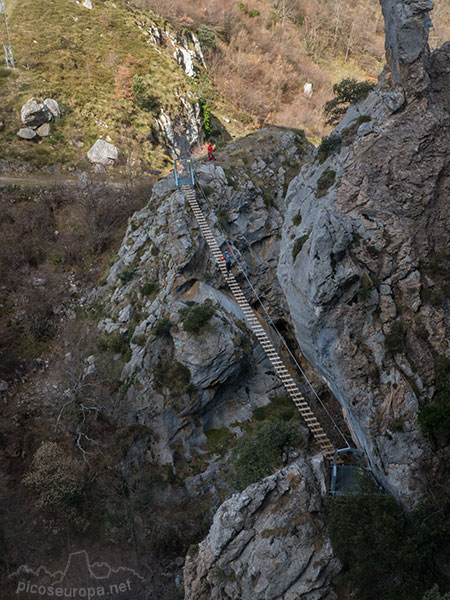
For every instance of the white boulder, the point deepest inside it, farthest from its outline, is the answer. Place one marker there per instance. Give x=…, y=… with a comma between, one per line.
x=308, y=90
x=103, y=153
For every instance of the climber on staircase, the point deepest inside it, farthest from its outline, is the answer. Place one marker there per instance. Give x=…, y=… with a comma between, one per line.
x=210, y=152
x=227, y=258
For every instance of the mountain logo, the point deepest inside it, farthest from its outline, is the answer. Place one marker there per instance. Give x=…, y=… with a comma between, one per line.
x=79, y=579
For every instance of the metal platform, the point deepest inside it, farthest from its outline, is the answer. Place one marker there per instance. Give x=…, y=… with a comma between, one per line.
x=346, y=478
x=184, y=172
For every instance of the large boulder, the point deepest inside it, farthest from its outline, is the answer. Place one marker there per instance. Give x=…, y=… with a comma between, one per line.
x=268, y=542
x=103, y=153
x=35, y=113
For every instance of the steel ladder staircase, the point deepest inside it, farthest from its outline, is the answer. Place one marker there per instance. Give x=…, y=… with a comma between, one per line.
x=292, y=389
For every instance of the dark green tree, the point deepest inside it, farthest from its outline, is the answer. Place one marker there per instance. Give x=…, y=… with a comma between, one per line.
x=434, y=418
x=386, y=554
x=260, y=455
x=347, y=92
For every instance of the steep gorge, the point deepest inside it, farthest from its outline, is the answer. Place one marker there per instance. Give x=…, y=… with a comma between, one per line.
x=349, y=251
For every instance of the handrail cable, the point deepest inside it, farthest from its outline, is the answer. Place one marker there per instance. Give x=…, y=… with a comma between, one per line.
x=313, y=424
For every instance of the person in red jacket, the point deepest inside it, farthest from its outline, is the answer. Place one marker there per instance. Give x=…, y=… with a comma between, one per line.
x=210, y=152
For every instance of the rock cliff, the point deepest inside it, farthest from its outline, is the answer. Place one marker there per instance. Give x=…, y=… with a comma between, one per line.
x=368, y=289
x=269, y=541
x=182, y=381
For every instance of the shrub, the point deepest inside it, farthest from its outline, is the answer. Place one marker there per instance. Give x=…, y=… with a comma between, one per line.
x=162, y=327
x=298, y=245
x=207, y=37
x=394, y=342
x=434, y=594
x=365, y=289
x=142, y=96
x=151, y=288
x=364, y=529
x=297, y=219
x=260, y=455
x=325, y=181
x=206, y=112
x=223, y=217
x=434, y=418
x=329, y=145
x=197, y=316
x=347, y=92
x=117, y=342
x=363, y=119
x=56, y=479
x=126, y=276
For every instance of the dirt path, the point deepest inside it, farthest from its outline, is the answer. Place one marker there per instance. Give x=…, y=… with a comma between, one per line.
x=44, y=179
x=36, y=180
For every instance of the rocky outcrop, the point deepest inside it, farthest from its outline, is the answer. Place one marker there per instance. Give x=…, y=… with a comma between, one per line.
x=407, y=26
x=183, y=46
x=103, y=153
x=35, y=113
x=181, y=383
x=367, y=287
x=36, y=116
x=180, y=133
x=268, y=542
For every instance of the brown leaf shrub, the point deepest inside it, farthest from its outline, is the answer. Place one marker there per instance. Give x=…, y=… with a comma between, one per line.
x=57, y=481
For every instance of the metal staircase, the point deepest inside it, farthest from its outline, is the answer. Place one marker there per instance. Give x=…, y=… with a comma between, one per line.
x=292, y=389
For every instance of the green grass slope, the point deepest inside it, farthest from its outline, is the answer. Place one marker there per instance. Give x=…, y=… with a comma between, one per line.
x=105, y=72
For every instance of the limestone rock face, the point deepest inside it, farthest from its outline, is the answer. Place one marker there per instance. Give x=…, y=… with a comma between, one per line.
x=268, y=542
x=103, y=153
x=368, y=289
x=407, y=26
x=181, y=383
x=182, y=131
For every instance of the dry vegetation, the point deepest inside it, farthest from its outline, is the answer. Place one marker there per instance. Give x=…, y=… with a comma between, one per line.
x=53, y=240
x=266, y=51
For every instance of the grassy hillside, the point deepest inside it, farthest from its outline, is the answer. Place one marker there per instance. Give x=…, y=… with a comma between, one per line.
x=105, y=72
